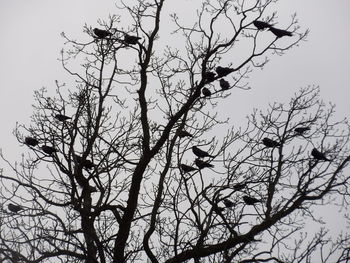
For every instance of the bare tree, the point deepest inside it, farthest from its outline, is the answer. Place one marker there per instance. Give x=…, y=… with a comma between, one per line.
x=111, y=175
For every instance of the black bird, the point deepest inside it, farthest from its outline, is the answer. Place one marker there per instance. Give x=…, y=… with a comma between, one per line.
x=318, y=155
x=250, y=200
x=200, y=153
x=280, y=32
x=131, y=40
x=86, y=163
x=62, y=117
x=223, y=71
x=184, y=133
x=14, y=208
x=261, y=25
x=301, y=130
x=186, y=168
x=228, y=203
x=48, y=149
x=239, y=186
x=206, y=92
x=100, y=33
x=270, y=143
x=209, y=76
x=224, y=84
x=202, y=164
x=218, y=209
x=31, y=141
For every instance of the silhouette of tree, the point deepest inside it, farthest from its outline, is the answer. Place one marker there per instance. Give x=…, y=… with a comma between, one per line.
x=106, y=185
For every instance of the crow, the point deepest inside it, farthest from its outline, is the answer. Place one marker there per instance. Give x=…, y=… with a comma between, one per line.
x=223, y=71
x=202, y=164
x=100, y=33
x=270, y=143
x=250, y=200
x=261, y=25
x=30, y=141
x=183, y=134
x=239, y=186
x=209, y=76
x=218, y=209
x=186, y=168
x=200, y=153
x=206, y=92
x=48, y=149
x=224, y=84
x=131, y=40
x=62, y=117
x=318, y=155
x=301, y=130
x=228, y=203
x=14, y=208
x=280, y=32
x=87, y=164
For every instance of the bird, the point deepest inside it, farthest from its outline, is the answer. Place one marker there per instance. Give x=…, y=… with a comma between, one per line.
x=301, y=130
x=223, y=71
x=218, y=209
x=202, y=164
x=200, y=153
x=184, y=133
x=14, y=208
x=280, y=32
x=30, y=141
x=86, y=163
x=62, y=117
x=228, y=203
x=206, y=92
x=270, y=143
x=100, y=33
x=224, y=84
x=48, y=149
x=239, y=186
x=319, y=155
x=209, y=76
x=261, y=25
x=186, y=168
x=131, y=40
x=250, y=200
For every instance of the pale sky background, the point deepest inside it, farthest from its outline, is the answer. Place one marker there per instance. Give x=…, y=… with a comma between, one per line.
x=30, y=44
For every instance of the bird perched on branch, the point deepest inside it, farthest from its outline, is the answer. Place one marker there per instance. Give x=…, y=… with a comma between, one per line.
x=200, y=153
x=318, y=155
x=186, y=168
x=62, y=117
x=301, y=130
x=270, y=143
x=202, y=164
x=223, y=71
x=87, y=164
x=184, y=133
x=206, y=92
x=209, y=76
x=261, y=25
x=239, y=186
x=30, y=141
x=250, y=200
x=228, y=203
x=48, y=149
x=131, y=40
x=14, y=208
x=280, y=32
x=100, y=33
x=224, y=84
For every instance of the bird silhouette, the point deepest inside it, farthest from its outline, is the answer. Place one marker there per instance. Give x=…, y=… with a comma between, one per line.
x=186, y=168
x=280, y=32
x=206, y=92
x=87, y=164
x=184, y=133
x=14, y=208
x=48, y=149
x=224, y=84
x=131, y=40
x=200, y=153
x=301, y=130
x=209, y=76
x=270, y=143
x=202, y=164
x=223, y=71
x=250, y=200
x=100, y=33
x=261, y=25
x=239, y=186
x=228, y=203
x=31, y=141
x=62, y=117
x=319, y=155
